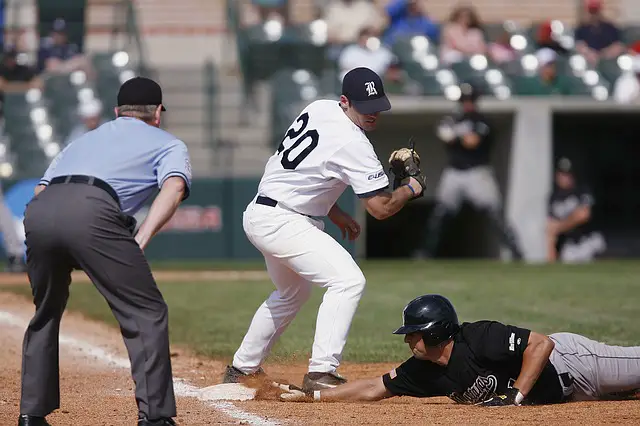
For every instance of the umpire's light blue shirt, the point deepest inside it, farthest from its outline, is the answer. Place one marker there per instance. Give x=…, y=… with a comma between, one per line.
x=130, y=155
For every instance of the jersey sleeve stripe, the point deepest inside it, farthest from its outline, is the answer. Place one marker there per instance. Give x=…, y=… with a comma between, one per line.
x=372, y=193
x=44, y=182
x=187, y=186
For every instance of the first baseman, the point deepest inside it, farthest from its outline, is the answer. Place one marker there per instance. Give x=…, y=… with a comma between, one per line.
x=325, y=151
x=492, y=364
x=81, y=218
x=468, y=176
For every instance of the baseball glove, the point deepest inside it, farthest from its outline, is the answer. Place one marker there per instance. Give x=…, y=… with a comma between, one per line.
x=405, y=163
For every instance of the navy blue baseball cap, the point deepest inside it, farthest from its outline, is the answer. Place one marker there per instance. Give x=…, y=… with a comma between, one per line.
x=140, y=91
x=364, y=89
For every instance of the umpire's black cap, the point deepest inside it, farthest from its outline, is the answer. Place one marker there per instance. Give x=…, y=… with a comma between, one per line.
x=363, y=87
x=140, y=91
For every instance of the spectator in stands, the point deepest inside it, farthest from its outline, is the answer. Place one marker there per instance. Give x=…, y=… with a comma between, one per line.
x=58, y=55
x=544, y=39
x=462, y=36
x=408, y=17
x=501, y=50
x=367, y=52
x=91, y=118
x=598, y=38
x=627, y=86
x=548, y=81
x=15, y=77
x=268, y=8
x=346, y=19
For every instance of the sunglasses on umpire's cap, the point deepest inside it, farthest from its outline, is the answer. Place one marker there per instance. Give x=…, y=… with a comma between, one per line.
x=140, y=91
x=364, y=89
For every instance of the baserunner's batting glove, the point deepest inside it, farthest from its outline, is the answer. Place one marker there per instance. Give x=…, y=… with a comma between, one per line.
x=511, y=396
x=404, y=164
x=293, y=393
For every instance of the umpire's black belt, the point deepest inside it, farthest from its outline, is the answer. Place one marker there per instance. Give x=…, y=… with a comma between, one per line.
x=87, y=180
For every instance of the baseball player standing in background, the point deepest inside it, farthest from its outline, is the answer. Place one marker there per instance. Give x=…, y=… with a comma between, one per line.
x=492, y=364
x=323, y=152
x=13, y=245
x=569, y=229
x=82, y=220
x=469, y=175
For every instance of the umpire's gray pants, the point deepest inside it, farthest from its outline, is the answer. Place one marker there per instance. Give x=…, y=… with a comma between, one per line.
x=477, y=185
x=595, y=369
x=76, y=225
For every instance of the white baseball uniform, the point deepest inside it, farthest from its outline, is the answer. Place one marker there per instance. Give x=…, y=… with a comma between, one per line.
x=321, y=154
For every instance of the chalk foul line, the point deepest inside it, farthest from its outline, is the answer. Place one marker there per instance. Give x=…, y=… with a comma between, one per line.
x=180, y=386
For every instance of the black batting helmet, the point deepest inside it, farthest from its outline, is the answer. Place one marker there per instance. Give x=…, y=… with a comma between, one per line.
x=468, y=92
x=433, y=316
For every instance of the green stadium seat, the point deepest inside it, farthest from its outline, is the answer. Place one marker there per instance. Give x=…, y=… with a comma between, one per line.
x=609, y=69
x=631, y=34
x=30, y=158
x=493, y=31
x=466, y=73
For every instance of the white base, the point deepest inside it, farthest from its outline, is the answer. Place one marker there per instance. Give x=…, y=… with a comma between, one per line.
x=227, y=392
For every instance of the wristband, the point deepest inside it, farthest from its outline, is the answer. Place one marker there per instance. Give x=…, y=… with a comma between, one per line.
x=413, y=191
x=316, y=395
x=519, y=398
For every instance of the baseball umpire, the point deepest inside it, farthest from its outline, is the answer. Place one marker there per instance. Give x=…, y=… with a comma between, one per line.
x=81, y=218
x=571, y=236
x=467, y=136
x=487, y=363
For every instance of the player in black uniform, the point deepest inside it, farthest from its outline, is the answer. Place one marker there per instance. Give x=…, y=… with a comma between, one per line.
x=467, y=137
x=491, y=364
x=570, y=234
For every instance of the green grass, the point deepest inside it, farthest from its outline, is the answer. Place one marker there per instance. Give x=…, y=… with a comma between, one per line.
x=600, y=301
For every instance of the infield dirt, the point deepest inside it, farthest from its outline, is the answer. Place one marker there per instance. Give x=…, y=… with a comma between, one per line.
x=96, y=393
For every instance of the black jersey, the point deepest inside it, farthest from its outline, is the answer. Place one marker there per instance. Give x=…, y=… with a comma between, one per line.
x=465, y=158
x=486, y=360
x=563, y=202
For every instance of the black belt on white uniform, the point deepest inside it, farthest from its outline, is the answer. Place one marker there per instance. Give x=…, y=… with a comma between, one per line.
x=87, y=180
x=267, y=201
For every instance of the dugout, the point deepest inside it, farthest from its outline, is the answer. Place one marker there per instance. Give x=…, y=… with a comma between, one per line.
x=469, y=235
x=604, y=147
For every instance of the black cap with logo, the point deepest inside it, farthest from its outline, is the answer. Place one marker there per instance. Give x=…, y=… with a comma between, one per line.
x=564, y=165
x=364, y=89
x=140, y=91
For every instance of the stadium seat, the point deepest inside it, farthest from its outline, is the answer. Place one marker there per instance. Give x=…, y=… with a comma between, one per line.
x=631, y=34
x=609, y=69
x=30, y=158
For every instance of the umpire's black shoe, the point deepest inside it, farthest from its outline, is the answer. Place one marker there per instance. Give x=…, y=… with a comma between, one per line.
x=319, y=381
x=27, y=420
x=143, y=421
x=233, y=375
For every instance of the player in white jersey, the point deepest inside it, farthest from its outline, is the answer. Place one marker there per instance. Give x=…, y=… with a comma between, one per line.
x=323, y=152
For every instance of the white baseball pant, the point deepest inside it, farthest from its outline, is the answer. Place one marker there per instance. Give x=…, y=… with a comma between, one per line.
x=298, y=253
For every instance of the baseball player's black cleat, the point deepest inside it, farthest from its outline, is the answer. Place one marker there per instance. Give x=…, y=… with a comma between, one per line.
x=319, y=381
x=233, y=375
x=144, y=421
x=26, y=420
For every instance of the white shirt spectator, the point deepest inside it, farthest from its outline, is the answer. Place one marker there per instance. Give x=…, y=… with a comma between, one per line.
x=627, y=87
x=373, y=56
x=345, y=20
